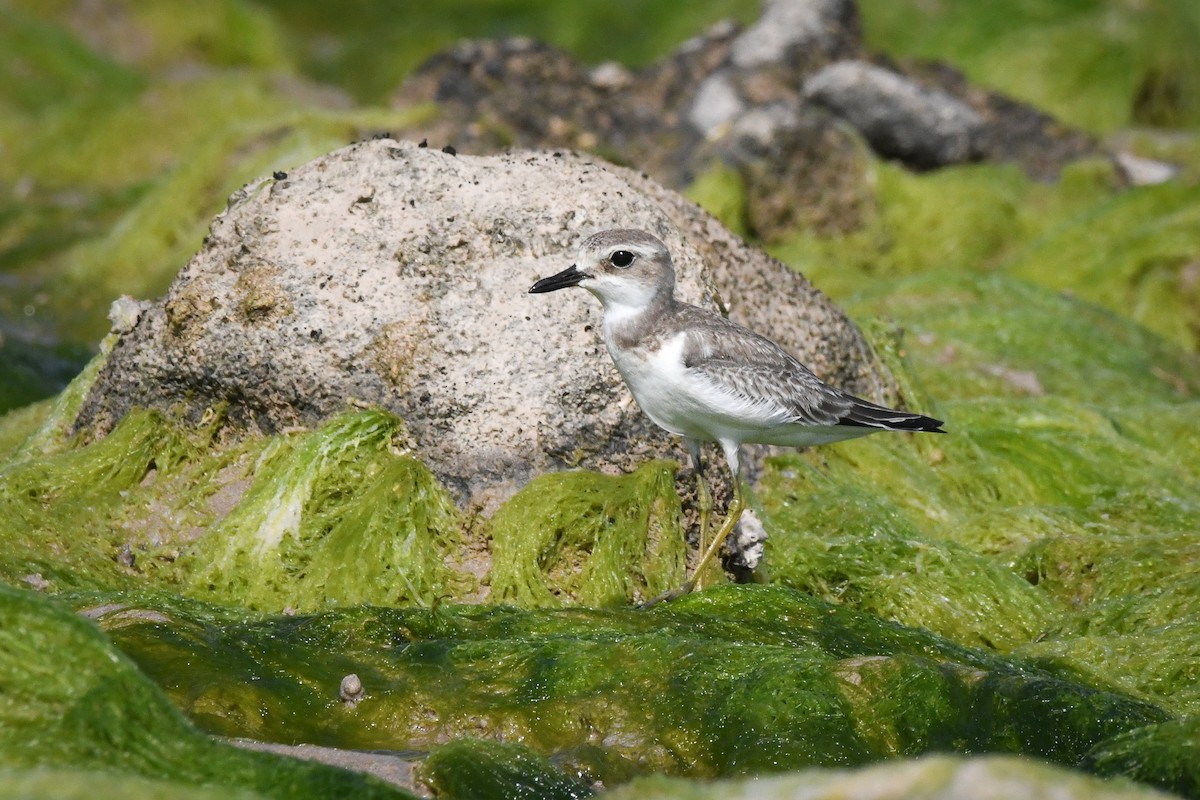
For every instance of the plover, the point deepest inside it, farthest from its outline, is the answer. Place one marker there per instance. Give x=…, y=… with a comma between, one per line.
x=707, y=379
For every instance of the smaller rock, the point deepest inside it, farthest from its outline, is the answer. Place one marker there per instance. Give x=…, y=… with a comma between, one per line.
x=126, y=557
x=790, y=28
x=1022, y=380
x=897, y=116
x=765, y=126
x=748, y=541
x=36, y=582
x=1144, y=171
x=125, y=313
x=716, y=105
x=351, y=690
x=611, y=76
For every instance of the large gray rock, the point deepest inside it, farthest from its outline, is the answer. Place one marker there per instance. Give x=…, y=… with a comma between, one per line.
x=393, y=275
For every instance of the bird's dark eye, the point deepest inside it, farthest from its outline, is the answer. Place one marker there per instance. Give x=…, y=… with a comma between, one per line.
x=621, y=258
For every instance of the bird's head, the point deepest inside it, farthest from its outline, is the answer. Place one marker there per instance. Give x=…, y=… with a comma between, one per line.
x=624, y=268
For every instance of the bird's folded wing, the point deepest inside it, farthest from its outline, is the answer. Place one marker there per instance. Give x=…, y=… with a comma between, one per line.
x=740, y=363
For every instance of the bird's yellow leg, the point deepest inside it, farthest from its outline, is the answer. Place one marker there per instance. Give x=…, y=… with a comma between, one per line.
x=735, y=512
x=705, y=501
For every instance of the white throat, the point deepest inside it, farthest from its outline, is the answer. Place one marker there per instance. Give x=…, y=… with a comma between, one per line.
x=622, y=299
x=618, y=314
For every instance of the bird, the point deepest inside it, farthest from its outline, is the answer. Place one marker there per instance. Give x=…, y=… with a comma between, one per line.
x=701, y=376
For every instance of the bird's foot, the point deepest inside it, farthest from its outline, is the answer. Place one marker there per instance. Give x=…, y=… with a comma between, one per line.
x=667, y=597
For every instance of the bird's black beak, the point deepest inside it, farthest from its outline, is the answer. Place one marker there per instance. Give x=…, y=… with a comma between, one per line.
x=568, y=277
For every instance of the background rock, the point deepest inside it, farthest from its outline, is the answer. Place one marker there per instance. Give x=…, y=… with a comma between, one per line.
x=899, y=117
x=393, y=275
x=738, y=98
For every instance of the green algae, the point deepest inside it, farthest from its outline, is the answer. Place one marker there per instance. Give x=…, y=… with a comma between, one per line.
x=1135, y=628
x=1134, y=253
x=78, y=784
x=842, y=538
x=720, y=191
x=1162, y=755
x=1094, y=64
x=1157, y=664
x=332, y=516
x=57, y=510
x=972, y=217
x=1071, y=718
x=477, y=769
x=54, y=423
x=45, y=68
x=595, y=539
x=1056, y=523
x=970, y=336
x=734, y=680
x=70, y=701
x=1130, y=251
x=336, y=516
x=18, y=424
x=119, y=188
x=226, y=33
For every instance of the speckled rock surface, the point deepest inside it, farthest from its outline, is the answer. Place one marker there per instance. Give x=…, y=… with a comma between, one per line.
x=393, y=275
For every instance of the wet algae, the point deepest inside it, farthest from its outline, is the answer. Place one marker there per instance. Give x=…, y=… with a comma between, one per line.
x=1162, y=755
x=737, y=680
x=86, y=709
x=480, y=769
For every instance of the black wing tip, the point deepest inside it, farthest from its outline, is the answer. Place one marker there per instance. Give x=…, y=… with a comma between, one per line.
x=924, y=424
x=869, y=415
x=933, y=426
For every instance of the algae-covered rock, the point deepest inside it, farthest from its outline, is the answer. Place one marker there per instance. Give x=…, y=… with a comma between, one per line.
x=309, y=520
x=332, y=517
x=337, y=516
x=71, y=704
x=1165, y=755
x=599, y=539
x=42, y=783
x=1130, y=251
x=736, y=680
x=476, y=769
x=63, y=511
